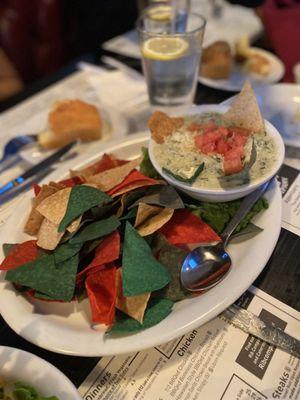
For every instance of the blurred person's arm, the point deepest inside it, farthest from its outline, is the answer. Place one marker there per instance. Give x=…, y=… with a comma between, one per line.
x=10, y=82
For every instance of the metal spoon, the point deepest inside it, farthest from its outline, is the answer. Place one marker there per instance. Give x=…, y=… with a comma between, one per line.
x=207, y=265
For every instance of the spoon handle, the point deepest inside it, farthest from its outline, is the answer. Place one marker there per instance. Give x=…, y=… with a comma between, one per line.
x=243, y=210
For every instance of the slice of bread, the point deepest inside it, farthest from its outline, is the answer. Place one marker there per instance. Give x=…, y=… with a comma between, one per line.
x=216, y=61
x=71, y=120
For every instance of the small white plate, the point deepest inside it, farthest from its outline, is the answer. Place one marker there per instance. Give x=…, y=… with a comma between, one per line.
x=115, y=126
x=237, y=78
x=280, y=104
x=18, y=365
x=66, y=327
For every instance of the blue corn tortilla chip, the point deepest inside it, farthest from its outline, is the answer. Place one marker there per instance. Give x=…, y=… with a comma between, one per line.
x=161, y=195
x=142, y=273
x=157, y=310
x=172, y=258
x=96, y=230
x=54, y=280
x=82, y=198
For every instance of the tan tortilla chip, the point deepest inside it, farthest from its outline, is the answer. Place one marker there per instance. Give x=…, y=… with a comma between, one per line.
x=108, y=179
x=54, y=207
x=74, y=225
x=244, y=111
x=35, y=219
x=56, y=185
x=134, y=306
x=161, y=125
x=131, y=187
x=48, y=235
x=151, y=218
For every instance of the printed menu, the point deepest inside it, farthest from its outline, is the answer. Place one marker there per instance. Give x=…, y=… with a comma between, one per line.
x=216, y=361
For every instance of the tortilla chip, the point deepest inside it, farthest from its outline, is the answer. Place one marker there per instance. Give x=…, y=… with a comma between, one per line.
x=244, y=111
x=43, y=275
x=70, y=182
x=48, y=235
x=20, y=254
x=161, y=125
x=142, y=273
x=134, y=306
x=185, y=228
x=54, y=207
x=157, y=310
x=106, y=162
x=35, y=218
x=74, y=225
x=102, y=293
x=145, y=211
x=36, y=188
x=106, y=252
x=56, y=185
x=108, y=179
x=81, y=199
x=151, y=218
x=134, y=180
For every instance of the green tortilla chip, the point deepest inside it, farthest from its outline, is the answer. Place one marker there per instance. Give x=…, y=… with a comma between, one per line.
x=96, y=230
x=55, y=280
x=66, y=251
x=157, y=310
x=142, y=273
x=82, y=198
x=131, y=214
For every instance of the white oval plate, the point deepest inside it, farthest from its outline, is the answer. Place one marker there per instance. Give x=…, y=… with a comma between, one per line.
x=66, y=328
x=18, y=365
x=237, y=78
x=279, y=105
x=115, y=126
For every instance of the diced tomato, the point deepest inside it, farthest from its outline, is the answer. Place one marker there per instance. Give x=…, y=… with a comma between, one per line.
x=198, y=141
x=236, y=152
x=239, y=139
x=208, y=148
x=232, y=166
x=222, y=146
x=209, y=126
x=212, y=136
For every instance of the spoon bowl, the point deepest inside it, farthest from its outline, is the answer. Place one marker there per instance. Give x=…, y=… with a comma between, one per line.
x=215, y=264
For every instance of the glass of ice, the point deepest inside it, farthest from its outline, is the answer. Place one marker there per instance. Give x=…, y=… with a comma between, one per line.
x=171, y=51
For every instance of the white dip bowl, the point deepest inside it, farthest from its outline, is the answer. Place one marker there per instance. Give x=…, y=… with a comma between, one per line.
x=221, y=194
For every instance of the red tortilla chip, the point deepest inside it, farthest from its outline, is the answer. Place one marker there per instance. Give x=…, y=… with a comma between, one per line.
x=21, y=254
x=185, y=228
x=101, y=289
x=36, y=188
x=131, y=181
x=107, y=161
x=107, y=252
x=75, y=180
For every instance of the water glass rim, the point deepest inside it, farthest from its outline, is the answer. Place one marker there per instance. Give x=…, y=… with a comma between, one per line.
x=175, y=34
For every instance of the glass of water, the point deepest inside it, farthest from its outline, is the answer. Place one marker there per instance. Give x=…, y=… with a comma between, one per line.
x=170, y=45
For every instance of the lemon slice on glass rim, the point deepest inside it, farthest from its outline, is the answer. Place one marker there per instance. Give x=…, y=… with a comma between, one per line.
x=164, y=48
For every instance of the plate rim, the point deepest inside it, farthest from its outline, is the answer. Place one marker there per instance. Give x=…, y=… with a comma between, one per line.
x=149, y=340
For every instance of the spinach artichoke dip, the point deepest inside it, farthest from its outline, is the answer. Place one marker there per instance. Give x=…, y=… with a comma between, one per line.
x=230, y=156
